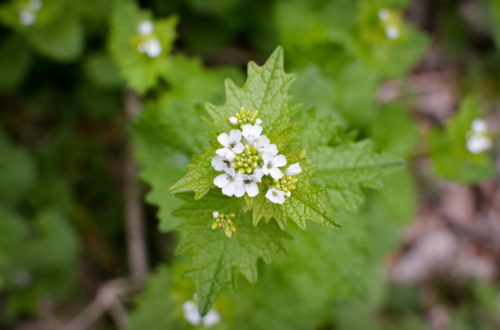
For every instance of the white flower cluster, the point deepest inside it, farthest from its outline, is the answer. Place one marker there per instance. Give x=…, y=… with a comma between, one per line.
x=390, y=22
x=28, y=11
x=149, y=45
x=192, y=315
x=478, y=139
x=247, y=156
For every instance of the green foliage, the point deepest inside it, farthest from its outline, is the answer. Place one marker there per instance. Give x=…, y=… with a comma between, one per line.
x=215, y=259
x=154, y=309
x=450, y=157
x=32, y=262
x=15, y=61
x=139, y=70
x=346, y=169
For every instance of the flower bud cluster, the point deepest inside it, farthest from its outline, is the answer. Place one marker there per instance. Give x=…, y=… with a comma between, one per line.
x=28, y=11
x=247, y=156
x=224, y=221
x=244, y=117
x=148, y=44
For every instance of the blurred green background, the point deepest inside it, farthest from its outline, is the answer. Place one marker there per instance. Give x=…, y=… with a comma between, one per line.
x=421, y=253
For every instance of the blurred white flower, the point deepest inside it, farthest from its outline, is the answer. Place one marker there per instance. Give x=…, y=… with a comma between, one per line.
x=192, y=315
x=145, y=27
x=478, y=139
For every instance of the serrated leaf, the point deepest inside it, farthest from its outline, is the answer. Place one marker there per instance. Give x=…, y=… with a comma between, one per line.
x=266, y=90
x=200, y=175
x=216, y=259
x=346, y=169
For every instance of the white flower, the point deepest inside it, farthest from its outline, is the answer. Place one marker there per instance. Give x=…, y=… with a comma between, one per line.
x=231, y=143
x=192, y=315
x=212, y=318
x=276, y=196
x=477, y=143
x=478, y=125
x=392, y=32
x=272, y=164
x=251, y=132
x=145, y=27
x=293, y=169
x=152, y=47
x=27, y=18
x=233, y=120
x=263, y=145
x=215, y=214
x=231, y=183
x=258, y=121
x=478, y=139
x=220, y=163
x=250, y=183
x=383, y=14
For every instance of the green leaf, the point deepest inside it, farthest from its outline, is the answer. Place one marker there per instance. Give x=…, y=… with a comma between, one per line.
x=15, y=61
x=17, y=173
x=266, y=90
x=216, y=259
x=61, y=40
x=346, y=169
x=200, y=175
x=393, y=131
x=303, y=204
x=140, y=71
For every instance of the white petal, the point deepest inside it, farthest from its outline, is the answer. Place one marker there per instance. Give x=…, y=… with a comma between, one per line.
x=226, y=154
x=224, y=139
x=258, y=121
x=262, y=143
x=189, y=306
x=272, y=149
x=293, y=169
x=239, y=189
x=279, y=161
x=228, y=189
x=145, y=27
x=193, y=317
x=267, y=157
x=257, y=174
x=479, y=126
x=221, y=180
x=235, y=135
x=212, y=318
x=153, y=48
x=215, y=214
x=383, y=14
x=477, y=144
x=233, y=120
x=392, y=32
x=275, y=173
x=238, y=149
x=252, y=189
x=218, y=163
x=276, y=196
